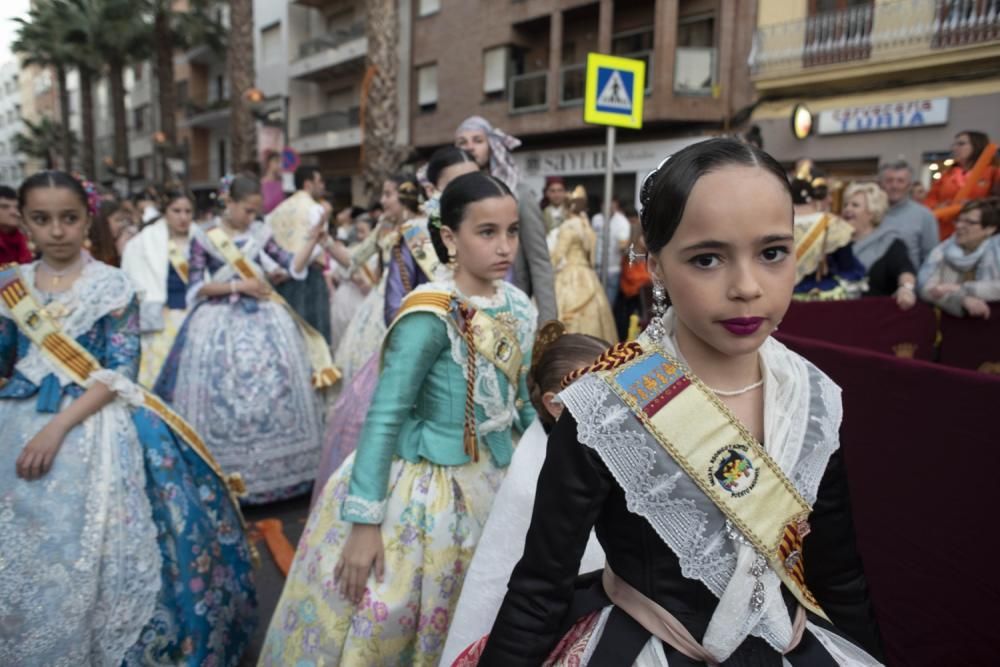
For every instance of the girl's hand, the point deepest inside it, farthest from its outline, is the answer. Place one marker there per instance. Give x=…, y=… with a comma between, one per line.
x=38, y=455
x=362, y=550
x=976, y=307
x=253, y=287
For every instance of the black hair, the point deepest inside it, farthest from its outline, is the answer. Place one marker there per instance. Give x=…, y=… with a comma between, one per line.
x=665, y=192
x=173, y=194
x=7, y=192
x=444, y=158
x=567, y=353
x=408, y=191
x=243, y=186
x=52, y=179
x=304, y=174
x=102, y=241
x=979, y=142
x=357, y=212
x=802, y=191
x=464, y=190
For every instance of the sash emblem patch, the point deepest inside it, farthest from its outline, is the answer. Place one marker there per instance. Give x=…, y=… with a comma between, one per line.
x=732, y=469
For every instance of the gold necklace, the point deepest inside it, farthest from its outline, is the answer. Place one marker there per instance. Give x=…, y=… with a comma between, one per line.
x=57, y=276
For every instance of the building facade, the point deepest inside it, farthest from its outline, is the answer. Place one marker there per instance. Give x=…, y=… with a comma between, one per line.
x=521, y=64
x=875, y=81
x=12, y=165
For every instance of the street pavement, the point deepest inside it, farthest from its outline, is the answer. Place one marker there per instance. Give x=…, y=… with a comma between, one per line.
x=292, y=514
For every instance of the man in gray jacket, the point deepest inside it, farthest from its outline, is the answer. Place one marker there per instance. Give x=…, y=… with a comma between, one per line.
x=914, y=221
x=533, y=267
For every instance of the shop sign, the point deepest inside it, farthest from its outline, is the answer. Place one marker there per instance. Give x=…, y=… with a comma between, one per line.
x=887, y=116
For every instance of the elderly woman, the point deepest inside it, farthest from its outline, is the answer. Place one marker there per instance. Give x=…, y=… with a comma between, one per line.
x=962, y=274
x=880, y=250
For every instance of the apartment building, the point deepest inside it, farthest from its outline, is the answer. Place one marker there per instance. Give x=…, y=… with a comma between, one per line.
x=871, y=81
x=521, y=64
x=310, y=61
x=11, y=164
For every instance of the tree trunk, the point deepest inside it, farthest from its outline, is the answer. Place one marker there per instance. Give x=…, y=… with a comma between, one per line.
x=163, y=68
x=88, y=165
x=67, y=138
x=380, y=152
x=116, y=73
x=239, y=63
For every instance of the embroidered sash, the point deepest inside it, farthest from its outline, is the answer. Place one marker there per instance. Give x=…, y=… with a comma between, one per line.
x=722, y=457
x=177, y=259
x=421, y=247
x=324, y=372
x=76, y=362
x=484, y=335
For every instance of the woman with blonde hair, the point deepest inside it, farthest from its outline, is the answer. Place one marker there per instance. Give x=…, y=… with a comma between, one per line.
x=881, y=250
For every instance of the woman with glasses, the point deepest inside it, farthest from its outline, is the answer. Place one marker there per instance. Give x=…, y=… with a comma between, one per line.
x=972, y=176
x=962, y=275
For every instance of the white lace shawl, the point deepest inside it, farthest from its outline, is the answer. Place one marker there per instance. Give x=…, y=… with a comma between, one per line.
x=100, y=289
x=499, y=406
x=802, y=414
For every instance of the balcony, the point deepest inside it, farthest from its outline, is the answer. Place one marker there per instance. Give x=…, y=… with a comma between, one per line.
x=329, y=131
x=572, y=85
x=212, y=116
x=529, y=92
x=324, y=55
x=874, y=40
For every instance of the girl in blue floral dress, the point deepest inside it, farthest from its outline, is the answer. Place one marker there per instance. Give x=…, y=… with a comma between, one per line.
x=120, y=542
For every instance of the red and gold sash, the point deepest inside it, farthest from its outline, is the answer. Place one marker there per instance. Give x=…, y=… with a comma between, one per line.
x=324, y=372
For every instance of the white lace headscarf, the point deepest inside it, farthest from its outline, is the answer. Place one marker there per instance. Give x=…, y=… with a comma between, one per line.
x=502, y=165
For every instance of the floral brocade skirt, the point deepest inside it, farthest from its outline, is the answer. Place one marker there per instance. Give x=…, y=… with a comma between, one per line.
x=433, y=521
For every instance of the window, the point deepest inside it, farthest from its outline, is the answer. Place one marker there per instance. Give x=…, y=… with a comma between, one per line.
x=270, y=45
x=636, y=44
x=495, y=70
x=695, y=64
x=427, y=7
x=427, y=87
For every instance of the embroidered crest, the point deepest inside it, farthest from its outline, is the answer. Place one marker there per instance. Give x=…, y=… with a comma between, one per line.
x=732, y=469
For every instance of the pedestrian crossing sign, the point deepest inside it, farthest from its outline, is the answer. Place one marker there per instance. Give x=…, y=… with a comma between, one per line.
x=615, y=90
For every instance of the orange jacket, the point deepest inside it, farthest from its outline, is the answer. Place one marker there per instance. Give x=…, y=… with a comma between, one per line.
x=954, y=188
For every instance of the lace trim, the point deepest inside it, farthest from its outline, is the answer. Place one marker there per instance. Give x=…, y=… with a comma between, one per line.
x=361, y=510
x=126, y=390
x=100, y=289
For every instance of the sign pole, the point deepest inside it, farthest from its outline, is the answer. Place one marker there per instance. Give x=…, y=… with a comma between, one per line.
x=609, y=180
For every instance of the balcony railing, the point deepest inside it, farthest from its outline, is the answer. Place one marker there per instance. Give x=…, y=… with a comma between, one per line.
x=878, y=32
x=331, y=121
x=572, y=84
x=529, y=92
x=331, y=40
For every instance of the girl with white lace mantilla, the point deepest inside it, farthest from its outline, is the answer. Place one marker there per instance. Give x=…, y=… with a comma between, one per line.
x=706, y=457
x=397, y=524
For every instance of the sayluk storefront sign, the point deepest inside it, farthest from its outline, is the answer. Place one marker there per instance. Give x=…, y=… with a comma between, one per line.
x=882, y=117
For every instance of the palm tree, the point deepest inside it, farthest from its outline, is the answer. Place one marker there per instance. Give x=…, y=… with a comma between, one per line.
x=380, y=154
x=41, y=40
x=43, y=140
x=240, y=69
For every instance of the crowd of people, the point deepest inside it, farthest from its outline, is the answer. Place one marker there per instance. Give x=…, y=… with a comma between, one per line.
x=162, y=364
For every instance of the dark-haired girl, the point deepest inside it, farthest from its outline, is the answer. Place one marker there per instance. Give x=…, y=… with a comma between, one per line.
x=703, y=454
x=240, y=369
x=120, y=542
x=156, y=261
x=111, y=231
x=380, y=565
x=556, y=354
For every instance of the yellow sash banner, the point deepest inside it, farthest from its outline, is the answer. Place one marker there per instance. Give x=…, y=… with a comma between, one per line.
x=421, y=247
x=178, y=261
x=494, y=340
x=324, y=372
x=722, y=457
x=75, y=361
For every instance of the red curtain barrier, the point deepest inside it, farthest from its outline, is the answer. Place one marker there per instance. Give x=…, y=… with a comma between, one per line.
x=919, y=441
x=971, y=342
x=875, y=324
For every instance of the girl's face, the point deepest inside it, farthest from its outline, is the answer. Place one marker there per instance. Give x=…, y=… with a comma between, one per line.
x=730, y=267
x=450, y=173
x=243, y=212
x=362, y=230
x=390, y=201
x=179, y=215
x=118, y=221
x=476, y=143
x=57, y=221
x=856, y=212
x=485, y=244
x=961, y=149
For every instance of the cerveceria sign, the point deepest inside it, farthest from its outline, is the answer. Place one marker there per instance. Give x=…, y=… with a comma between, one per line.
x=881, y=117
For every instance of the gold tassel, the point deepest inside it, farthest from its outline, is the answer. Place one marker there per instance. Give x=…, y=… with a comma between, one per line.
x=469, y=440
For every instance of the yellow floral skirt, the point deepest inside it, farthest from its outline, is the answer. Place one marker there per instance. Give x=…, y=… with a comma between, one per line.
x=156, y=346
x=434, y=517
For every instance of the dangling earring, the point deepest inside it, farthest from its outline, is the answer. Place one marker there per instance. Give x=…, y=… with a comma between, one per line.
x=31, y=246
x=656, y=329
x=452, y=258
